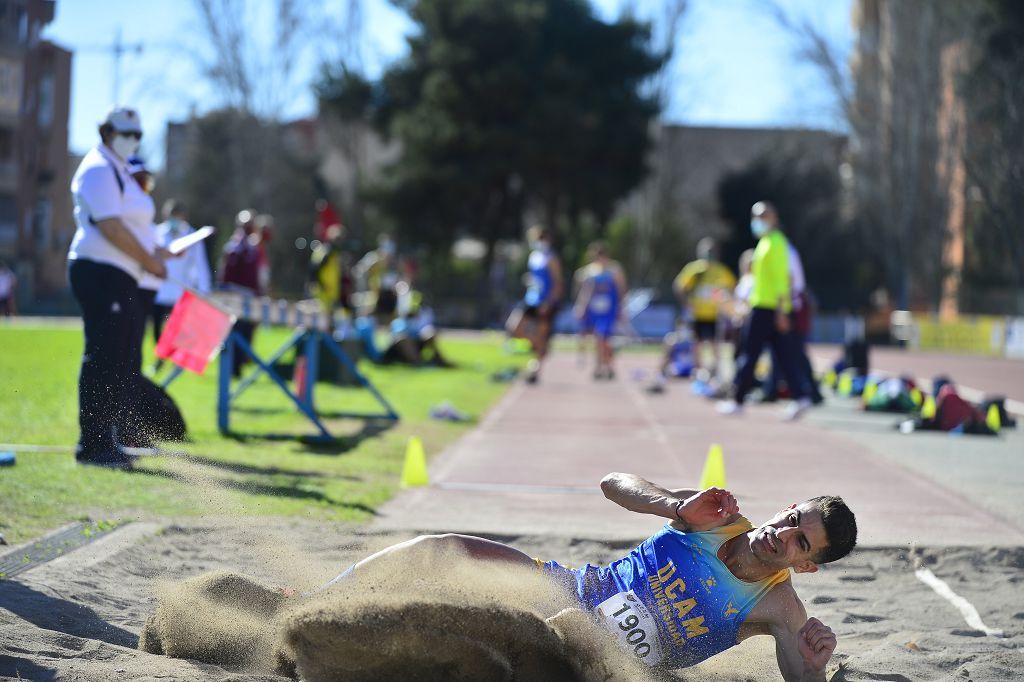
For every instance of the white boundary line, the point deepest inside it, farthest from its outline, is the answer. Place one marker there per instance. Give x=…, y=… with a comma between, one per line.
x=965, y=607
x=65, y=449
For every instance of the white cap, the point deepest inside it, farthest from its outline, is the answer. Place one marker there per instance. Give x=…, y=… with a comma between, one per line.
x=124, y=120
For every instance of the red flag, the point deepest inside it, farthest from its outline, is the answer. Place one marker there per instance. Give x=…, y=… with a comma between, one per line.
x=194, y=333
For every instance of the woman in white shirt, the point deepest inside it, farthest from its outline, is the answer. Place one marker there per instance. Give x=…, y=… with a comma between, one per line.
x=105, y=261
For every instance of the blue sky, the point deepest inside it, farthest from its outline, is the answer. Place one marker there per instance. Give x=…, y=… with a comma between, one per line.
x=735, y=67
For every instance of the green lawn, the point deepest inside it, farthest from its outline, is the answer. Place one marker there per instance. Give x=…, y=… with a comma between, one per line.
x=243, y=474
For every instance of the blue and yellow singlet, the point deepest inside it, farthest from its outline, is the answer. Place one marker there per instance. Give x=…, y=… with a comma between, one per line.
x=671, y=601
x=540, y=284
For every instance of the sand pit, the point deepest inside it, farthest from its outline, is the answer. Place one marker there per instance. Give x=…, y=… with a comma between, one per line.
x=439, y=616
x=82, y=620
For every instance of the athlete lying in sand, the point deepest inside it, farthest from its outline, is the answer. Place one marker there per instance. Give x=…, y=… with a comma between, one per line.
x=703, y=583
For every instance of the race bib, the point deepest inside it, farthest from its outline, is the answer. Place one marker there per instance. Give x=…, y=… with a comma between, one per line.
x=600, y=304
x=634, y=626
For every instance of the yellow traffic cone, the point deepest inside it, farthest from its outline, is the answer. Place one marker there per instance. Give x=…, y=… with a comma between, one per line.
x=713, y=475
x=870, y=389
x=845, y=383
x=414, y=471
x=992, y=419
x=915, y=395
x=928, y=409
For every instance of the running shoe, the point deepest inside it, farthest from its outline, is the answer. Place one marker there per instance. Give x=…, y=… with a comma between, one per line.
x=729, y=408
x=108, y=460
x=796, y=409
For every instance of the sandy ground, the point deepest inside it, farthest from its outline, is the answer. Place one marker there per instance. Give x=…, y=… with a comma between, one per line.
x=80, y=617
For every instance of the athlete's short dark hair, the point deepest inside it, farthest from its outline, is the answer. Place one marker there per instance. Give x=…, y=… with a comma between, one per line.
x=840, y=528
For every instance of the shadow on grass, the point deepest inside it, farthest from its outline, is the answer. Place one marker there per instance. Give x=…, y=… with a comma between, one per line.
x=253, y=488
x=317, y=445
x=53, y=613
x=237, y=468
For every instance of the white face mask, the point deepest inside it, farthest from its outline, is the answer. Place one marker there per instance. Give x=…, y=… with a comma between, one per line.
x=124, y=146
x=758, y=226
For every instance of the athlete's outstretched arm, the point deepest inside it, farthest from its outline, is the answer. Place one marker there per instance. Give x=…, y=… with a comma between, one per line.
x=698, y=511
x=803, y=646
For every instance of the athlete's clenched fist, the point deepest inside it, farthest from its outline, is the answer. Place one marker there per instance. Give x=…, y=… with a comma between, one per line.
x=817, y=642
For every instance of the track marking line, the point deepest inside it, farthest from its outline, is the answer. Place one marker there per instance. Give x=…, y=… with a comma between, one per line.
x=518, y=488
x=966, y=608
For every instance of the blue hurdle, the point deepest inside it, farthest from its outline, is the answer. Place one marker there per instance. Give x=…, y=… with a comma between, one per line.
x=313, y=331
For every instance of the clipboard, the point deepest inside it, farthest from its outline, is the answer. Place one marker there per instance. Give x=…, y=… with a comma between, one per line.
x=181, y=243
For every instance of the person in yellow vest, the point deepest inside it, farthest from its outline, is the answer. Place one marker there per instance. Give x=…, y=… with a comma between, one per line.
x=327, y=270
x=768, y=323
x=702, y=287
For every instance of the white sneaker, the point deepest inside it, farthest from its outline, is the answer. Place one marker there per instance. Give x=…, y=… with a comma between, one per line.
x=796, y=409
x=729, y=408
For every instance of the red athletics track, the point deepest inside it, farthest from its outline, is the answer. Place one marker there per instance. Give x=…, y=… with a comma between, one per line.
x=534, y=463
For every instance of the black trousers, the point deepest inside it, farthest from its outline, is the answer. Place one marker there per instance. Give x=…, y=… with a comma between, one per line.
x=108, y=297
x=146, y=297
x=160, y=315
x=803, y=365
x=758, y=332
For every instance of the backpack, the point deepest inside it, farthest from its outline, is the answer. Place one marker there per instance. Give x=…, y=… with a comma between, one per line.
x=953, y=414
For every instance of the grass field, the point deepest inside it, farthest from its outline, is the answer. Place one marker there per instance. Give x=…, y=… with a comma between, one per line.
x=245, y=473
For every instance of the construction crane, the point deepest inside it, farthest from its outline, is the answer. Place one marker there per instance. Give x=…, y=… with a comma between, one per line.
x=117, y=49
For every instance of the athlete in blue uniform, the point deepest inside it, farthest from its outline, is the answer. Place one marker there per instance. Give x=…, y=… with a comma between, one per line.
x=704, y=582
x=534, y=318
x=598, y=304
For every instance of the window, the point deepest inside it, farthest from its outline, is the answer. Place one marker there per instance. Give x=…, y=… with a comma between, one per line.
x=41, y=220
x=8, y=221
x=44, y=112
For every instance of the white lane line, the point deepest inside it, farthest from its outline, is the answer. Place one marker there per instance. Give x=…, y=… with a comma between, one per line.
x=519, y=488
x=965, y=607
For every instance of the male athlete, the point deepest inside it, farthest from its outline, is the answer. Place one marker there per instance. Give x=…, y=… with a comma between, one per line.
x=704, y=582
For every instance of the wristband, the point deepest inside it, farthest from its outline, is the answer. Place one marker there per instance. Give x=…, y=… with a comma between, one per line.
x=679, y=504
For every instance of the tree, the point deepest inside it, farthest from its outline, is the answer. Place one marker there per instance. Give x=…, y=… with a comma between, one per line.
x=281, y=182
x=504, y=107
x=995, y=151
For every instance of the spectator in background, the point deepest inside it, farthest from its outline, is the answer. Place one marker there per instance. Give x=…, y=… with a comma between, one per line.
x=328, y=272
x=105, y=261
x=534, y=319
x=702, y=287
x=192, y=269
x=800, y=319
x=8, y=283
x=239, y=271
x=599, y=305
x=379, y=271
x=265, y=230
x=769, y=321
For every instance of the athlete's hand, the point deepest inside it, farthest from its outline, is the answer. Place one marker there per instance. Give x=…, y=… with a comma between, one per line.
x=708, y=509
x=817, y=642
